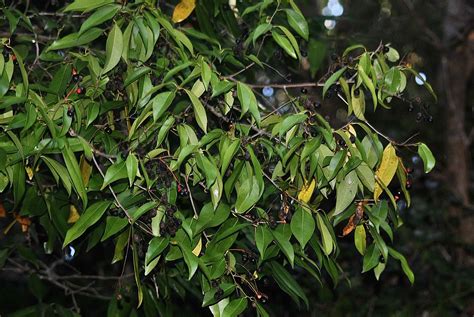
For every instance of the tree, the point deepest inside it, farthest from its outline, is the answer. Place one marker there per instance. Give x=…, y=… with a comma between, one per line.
x=166, y=146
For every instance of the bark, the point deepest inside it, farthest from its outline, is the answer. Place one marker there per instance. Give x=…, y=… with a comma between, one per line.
x=457, y=69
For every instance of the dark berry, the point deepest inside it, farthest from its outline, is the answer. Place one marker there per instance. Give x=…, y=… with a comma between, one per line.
x=76, y=78
x=334, y=56
x=108, y=130
x=430, y=119
x=409, y=170
x=304, y=53
x=386, y=49
x=304, y=91
x=247, y=155
x=219, y=293
x=70, y=113
x=411, y=107
x=357, y=92
x=317, y=104
x=408, y=184
x=214, y=283
x=352, y=138
x=419, y=116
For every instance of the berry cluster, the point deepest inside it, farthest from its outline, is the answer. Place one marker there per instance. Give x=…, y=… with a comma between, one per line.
x=182, y=190
x=171, y=224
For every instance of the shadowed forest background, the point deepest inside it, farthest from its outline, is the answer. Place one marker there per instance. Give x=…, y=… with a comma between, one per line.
x=437, y=238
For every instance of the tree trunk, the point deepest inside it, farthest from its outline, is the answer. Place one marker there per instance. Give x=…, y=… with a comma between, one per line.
x=457, y=66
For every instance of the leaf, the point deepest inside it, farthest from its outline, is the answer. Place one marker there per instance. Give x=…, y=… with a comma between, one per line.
x=199, y=110
x=260, y=30
x=75, y=173
x=74, y=39
x=87, y=219
x=366, y=176
x=132, y=167
x=136, y=214
x=287, y=283
x=426, y=155
x=73, y=214
x=183, y=10
x=284, y=43
x=371, y=258
x=161, y=103
x=368, y=83
x=155, y=247
x=345, y=192
x=263, y=238
x=100, y=16
x=307, y=191
x=285, y=246
x=235, y=307
x=297, y=21
x=326, y=238
x=115, y=172
x=112, y=226
x=190, y=259
x=360, y=239
x=59, y=172
x=358, y=103
x=113, y=49
x=136, y=270
x=248, y=102
x=302, y=225
x=86, y=5
x=405, y=267
x=331, y=80
x=386, y=170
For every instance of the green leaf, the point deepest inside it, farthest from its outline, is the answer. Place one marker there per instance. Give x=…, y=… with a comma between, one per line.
x=405, y=267
x=87, y=219
x=298, y=22
x=161, y=103
x=235, y=307
x=345, y=192
x=112, y=226
x=136, y=214
x=199, y=111
x=136, y=270
x=331, y=80
x=190, y=259
x=75, y=173
x=284, y=43
x=115, y=172
x=248, y=102
x=287, y=283
x=136, y=74
x=360, y=239
x=86, y=5
x=368, y=83
x=302, y=225
x=366, y=176
x=155, y=247
x=326, y=238
x=74, y=39
x=263, y=238
x=371, y=258
x=113, y=49
x=59, y=172
x=260, y=30
x=132, y=168
x=426, y=155
x=285, y=246
x=100, y=16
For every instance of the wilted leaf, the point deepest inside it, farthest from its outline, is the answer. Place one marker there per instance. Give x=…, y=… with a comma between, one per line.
x=73, y=214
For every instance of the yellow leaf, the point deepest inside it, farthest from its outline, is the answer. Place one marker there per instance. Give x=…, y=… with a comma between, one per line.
x=86, y=169
x=183, y=10
x=386, y=170
x=198, y=248
x=73, y=214
x=307, y=191
x=29, y=172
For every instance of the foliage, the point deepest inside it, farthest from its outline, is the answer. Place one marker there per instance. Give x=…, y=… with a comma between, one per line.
x=160, y=144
